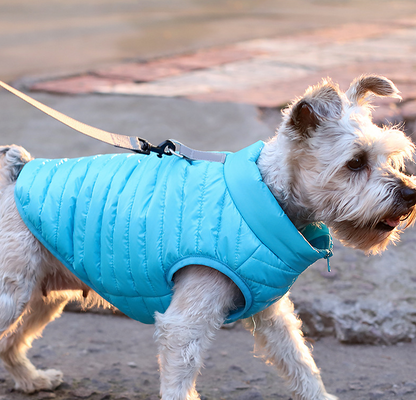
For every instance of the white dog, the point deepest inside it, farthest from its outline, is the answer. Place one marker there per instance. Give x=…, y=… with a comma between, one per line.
x=327, y=164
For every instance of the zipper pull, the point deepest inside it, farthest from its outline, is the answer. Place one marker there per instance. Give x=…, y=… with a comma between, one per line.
x=328, y=255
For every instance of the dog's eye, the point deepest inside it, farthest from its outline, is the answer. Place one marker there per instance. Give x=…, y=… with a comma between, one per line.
x=357, y=163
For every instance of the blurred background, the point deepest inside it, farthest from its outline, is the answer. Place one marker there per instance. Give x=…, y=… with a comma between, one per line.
x=54, y=36
x=215, y=74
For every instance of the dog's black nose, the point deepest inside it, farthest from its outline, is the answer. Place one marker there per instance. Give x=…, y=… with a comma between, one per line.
x=408, y=195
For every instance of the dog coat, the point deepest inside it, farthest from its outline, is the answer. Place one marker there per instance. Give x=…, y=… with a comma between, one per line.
x=125, y=223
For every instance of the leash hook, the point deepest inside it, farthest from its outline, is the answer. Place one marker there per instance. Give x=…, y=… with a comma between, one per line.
x=167, y=147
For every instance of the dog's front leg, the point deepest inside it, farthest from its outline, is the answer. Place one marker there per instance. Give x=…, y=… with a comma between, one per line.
x=202, y=299
x=277, y=332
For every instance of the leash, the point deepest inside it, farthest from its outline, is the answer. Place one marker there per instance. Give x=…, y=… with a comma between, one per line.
x=133, y=143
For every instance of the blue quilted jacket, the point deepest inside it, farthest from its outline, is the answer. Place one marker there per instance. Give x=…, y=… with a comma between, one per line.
x=125, y=223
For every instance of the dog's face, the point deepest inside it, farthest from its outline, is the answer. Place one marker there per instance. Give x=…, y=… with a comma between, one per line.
x=346, y=171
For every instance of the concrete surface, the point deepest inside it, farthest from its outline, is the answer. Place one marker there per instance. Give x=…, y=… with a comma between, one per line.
x=214, y=74
x=114, y=358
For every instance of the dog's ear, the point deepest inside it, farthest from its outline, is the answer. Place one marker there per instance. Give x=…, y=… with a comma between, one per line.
x=320, y=103
x=365, y=86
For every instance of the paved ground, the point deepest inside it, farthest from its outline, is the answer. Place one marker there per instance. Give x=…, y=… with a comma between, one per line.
x=214, y=75
x=114, y=358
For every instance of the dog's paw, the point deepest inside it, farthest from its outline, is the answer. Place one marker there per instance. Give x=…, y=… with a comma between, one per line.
x=43, y=380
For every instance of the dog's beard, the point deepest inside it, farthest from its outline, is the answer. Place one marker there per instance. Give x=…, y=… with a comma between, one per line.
x=372, y=238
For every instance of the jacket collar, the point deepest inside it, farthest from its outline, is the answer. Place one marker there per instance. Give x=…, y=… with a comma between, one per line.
x=265, y=217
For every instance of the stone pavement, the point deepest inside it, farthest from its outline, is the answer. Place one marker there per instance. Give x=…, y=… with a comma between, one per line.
x=113, y=358
x=265, y=72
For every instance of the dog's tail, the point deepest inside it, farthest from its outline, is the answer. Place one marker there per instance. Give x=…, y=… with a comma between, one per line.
x=12, y=160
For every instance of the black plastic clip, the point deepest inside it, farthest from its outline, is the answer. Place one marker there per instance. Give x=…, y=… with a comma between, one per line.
x=165, y=148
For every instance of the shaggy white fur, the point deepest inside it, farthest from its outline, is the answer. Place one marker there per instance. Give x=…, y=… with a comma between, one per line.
x=327, y=163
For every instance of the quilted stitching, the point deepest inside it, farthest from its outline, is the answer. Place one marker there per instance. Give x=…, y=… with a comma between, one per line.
x=160, y=233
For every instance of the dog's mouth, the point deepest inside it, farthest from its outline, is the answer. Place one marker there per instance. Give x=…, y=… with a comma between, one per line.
x=391, y=222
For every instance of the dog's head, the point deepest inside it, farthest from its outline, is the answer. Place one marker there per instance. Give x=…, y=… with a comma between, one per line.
x=345, y=170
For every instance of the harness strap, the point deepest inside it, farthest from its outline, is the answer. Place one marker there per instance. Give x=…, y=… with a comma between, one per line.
x=133, y=143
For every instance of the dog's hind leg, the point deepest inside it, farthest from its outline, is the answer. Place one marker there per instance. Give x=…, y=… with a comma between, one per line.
x=202, y=299
x=14, y=345
x=277, y=332
x=22, y=314
x=21, y=260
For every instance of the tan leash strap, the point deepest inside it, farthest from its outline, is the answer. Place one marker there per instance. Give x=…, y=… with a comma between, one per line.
x=127, y=142
x=139, y=145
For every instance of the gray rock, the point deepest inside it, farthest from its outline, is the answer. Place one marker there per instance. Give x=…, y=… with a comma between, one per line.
x=372, y=299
